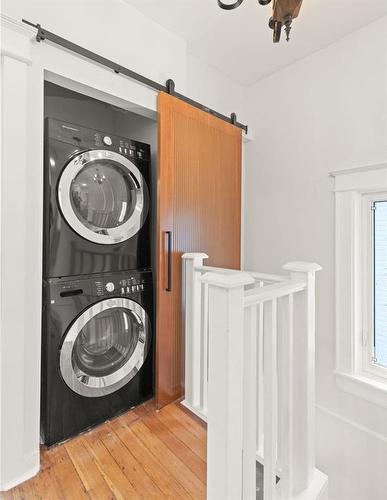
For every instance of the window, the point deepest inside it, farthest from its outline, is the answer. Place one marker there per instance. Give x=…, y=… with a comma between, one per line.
x=380, y=281
x=374, y=242
x=361, y=282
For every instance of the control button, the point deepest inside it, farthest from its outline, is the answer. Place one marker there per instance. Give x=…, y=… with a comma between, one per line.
x=131, y=152
x=122, y=290
x=133, y=288
x=109, y=287
x=107, y=140
x=139, y=154
x=120, y=149
x=141, y=287
x=128, y=289
x=125, y=151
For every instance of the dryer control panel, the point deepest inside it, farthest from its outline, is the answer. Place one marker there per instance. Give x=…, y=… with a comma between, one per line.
x=85, y=138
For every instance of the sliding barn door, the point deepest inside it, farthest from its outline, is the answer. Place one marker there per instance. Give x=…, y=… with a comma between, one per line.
x=199, y=210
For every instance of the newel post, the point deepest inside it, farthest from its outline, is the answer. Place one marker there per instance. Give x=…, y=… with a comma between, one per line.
x=192, y=303
x=303, y=404
x=225, y=384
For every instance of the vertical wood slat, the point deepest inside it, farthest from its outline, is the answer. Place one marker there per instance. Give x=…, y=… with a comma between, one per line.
x=166, y=386
x=270, y=399
x=199, y=199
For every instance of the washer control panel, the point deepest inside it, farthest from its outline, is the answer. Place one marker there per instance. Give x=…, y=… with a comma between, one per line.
x=123, y=285
x=129, y=283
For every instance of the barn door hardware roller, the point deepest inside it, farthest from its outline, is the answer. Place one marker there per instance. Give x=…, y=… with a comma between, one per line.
x=169, y=87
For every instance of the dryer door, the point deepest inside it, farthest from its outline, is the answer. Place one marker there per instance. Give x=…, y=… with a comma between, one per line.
x=105, y=347
x=103, y=196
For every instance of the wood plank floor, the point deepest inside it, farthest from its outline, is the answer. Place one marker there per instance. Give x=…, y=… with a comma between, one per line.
x=140, y=454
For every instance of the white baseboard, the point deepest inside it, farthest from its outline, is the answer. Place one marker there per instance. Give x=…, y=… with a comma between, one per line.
x=318, y=489
x=194, y=410
x=24, y=477
x=350, y=422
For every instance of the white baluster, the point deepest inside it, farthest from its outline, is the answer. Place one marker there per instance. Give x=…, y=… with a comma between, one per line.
x=204, y=365
x=286, y=395
x=260, y=395
x=270, y=399
x=225, y=385
x=304, y=375
x=192, y=303
x=250, y=402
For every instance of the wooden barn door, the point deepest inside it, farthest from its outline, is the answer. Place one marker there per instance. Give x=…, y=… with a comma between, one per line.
x=199, y=210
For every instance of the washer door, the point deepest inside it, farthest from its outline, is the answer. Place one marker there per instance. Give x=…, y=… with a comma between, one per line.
x=105, y=347
x=103, y=196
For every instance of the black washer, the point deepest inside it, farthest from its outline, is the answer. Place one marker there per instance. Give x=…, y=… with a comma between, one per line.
x=97, y=350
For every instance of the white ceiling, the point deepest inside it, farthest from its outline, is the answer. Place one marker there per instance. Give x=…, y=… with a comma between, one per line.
x=239, y=43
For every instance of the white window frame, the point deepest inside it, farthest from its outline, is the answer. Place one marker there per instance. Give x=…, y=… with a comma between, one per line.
x=355, y=190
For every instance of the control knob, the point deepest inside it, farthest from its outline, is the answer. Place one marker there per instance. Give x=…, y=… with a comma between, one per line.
x=109, y=287
x=107, y=140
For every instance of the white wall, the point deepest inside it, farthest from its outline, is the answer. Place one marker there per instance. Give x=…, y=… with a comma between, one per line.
x=113, y=29
x=206, y=84
x=326, y=112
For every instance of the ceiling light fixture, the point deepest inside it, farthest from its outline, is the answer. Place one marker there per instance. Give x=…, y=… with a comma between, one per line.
x=284, y=11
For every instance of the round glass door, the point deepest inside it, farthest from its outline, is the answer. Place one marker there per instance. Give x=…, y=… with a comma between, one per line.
x=105, y=347
x=103, y=196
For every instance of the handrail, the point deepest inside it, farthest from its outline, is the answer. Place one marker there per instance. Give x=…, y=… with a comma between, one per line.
x=266, y=277
x=253, y=274
x=275, y=291
x=211, y=269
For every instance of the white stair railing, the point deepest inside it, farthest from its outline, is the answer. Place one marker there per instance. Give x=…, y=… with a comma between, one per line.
x=250, y=373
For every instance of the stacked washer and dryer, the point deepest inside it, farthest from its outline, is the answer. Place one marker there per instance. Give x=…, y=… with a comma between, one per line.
x=97, y=340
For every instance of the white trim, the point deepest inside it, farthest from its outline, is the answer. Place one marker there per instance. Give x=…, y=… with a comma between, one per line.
x=194, y=410
x=16, y=24
x=364, y=168
x=354, y=188
x=350, y=422
x=15, y=43
x=248, y=137
x=317, y=489
x=24, y=477
x=364, y=386
x=366, y=179
x=15, y=55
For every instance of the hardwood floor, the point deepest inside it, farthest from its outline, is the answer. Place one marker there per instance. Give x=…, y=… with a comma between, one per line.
x=140, y=454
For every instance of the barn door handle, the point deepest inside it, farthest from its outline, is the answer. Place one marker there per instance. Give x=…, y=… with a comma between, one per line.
x=169, y=261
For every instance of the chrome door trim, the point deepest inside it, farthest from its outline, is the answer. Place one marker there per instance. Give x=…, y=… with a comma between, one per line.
x=90, y=386
x=104, y=236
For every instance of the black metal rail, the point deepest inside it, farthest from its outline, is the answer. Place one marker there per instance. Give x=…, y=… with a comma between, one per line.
x=169, y=86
